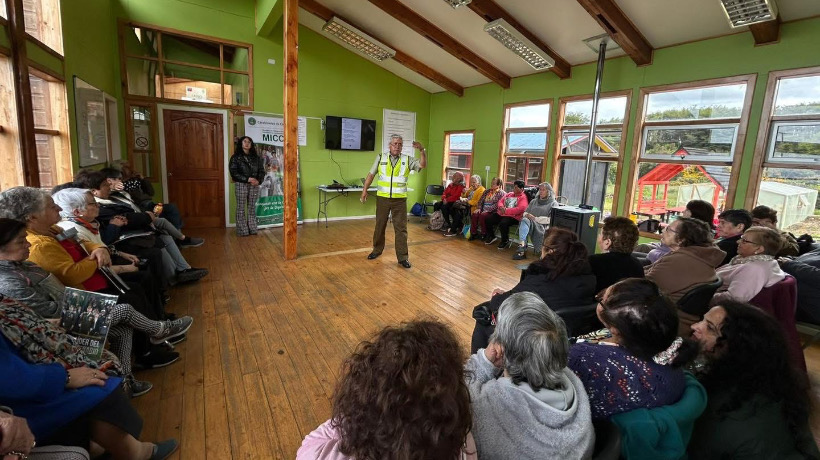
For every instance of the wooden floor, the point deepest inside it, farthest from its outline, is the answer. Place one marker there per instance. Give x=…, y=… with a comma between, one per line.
x=258, y=368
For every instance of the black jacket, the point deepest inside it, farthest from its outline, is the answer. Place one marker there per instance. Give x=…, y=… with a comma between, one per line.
x=611, y=267
x=117, y=206
x=729, y=246
x=242, y=167
x=566, y=291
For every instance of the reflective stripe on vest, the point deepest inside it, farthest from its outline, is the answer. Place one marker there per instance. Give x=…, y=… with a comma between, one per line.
x=392, y=181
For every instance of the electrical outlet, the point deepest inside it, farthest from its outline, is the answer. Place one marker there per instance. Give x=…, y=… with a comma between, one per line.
x=487, y=168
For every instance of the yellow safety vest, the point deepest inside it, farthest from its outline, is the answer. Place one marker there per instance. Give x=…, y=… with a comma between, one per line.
x=392, y=181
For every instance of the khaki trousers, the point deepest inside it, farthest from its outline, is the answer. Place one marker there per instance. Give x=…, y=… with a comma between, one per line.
x=384, y=207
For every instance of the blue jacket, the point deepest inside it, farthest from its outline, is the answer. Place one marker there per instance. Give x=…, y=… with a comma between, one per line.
x=37, y=392
x=662, y=433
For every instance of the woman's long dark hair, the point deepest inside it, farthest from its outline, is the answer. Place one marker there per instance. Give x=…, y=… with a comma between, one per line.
x=402, y=395
x=646, y=320
x=566, y=255
x=9, y=229
x=240, y=151
x=751, y=358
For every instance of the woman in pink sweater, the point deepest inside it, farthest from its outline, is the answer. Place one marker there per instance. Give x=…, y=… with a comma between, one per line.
x=509, y=212
x=754, y=267
x=400, y=396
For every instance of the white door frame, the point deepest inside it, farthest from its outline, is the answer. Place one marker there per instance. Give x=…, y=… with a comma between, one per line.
x=226, y=154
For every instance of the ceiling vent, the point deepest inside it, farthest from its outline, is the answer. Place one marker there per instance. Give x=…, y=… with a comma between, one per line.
x=358, y=40
x=502, y=31
x=745, y=12
x=457, y=3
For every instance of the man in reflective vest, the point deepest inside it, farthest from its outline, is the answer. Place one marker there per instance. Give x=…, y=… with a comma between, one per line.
x=391, y=195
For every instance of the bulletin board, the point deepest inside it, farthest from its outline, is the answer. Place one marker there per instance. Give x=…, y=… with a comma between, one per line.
x=92, y=131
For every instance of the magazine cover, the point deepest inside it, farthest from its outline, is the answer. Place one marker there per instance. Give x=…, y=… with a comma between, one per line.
x=87, y=317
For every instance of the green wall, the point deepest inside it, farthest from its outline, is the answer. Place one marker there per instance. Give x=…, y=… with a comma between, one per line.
x=482, y=108
x=332, y=80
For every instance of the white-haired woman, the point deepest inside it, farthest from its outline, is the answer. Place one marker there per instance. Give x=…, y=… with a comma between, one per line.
x=536, y=404
x=536, y=219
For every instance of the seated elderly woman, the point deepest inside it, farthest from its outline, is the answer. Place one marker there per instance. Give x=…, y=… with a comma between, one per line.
x=509, y=212
x=696, y=209
x=468, y=202
x=125, y=216
x=451, y=195
x=754, y=267
x=616, y=239
x=526, y=402
x=562, y=277
x=74, y=406
x=535, y=220
x=43, y=293
x=639, y=364
x=692, y=261
x=486, y=207
x=401, y=395
x=759, y=403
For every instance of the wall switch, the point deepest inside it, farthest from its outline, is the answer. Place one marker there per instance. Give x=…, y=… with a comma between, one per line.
x=487, y=168
x=272, y=61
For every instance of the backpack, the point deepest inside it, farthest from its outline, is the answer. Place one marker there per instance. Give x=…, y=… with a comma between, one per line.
x=417, y=210
x=436, y=221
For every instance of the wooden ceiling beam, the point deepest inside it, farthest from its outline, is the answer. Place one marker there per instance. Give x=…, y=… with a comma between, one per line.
x=766, y=33
x=490, y=11
x=610, y=17
x=423, y=27
x=325, y=13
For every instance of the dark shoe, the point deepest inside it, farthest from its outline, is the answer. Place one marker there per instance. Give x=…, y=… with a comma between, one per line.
x=134, y=387
x=173, y=329
x=155, y=359
x=189, y=242
x=178, y=339
x=191, y=274
x=405, y=263
x=491, y=241
x=519, y=255
x=373, y=255
x=474, y=236
x=164, y=449
x=503, y=244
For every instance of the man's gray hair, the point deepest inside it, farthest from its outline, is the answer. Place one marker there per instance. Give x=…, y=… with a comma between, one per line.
x=71, y=199
x=19, y=203
x=396, y=136
x=476, y=178
x=534, y=339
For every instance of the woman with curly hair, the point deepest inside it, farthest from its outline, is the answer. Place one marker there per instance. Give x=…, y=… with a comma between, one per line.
x=562, y=278
x=400, y=396
x=759, y=402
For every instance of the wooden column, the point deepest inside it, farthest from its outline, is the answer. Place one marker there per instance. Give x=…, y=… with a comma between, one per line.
x=22, y=92
x=290, y=99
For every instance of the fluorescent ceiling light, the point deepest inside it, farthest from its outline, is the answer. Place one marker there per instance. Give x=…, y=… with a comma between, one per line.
x=457, y=3
x=358, y=40
x=745, y=12
x=519, y=44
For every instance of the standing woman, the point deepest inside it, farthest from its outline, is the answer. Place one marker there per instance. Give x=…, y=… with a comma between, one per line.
x=247, y=171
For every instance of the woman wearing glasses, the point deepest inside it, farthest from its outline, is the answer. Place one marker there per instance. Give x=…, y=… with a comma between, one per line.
x=692, y=261
x=753, y=268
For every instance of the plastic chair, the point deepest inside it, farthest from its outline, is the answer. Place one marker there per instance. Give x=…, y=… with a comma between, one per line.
x=431, y=191
x=696, y=300
x=780, y=301
x=607, y=441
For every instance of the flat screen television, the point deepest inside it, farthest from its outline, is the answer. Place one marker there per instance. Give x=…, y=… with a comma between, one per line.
x=343, y=133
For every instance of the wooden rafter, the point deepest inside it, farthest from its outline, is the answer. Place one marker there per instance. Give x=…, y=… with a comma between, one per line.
x=610, y=17
x=324, y=13
x=426, y=29
x=766, y=33
x=490, y=11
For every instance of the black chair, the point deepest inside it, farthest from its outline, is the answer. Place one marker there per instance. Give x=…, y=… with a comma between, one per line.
x=696, y=300
x=432, y=191
x=580, y=319
x=607, y=441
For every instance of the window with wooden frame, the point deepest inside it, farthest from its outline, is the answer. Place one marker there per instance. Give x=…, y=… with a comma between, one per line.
x=48, y=99
x=11, y=163
x=524, y=146
x=786, y=168
x=142, y=139
x=43, y=23
x=458, y=154
x=690, y=143
x=176, y=66
x=569, y=165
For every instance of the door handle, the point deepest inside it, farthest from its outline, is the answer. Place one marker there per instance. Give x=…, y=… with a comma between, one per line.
x=170, y=174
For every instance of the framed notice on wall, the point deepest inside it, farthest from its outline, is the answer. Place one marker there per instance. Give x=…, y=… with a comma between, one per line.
x=92, y=132
x=403, y=124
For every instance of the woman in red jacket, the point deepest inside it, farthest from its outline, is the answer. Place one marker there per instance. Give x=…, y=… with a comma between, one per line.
x=509, y=212
x=451, y=195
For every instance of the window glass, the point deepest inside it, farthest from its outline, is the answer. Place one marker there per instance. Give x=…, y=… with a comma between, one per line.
x=459, y=155
x=193, y=84
x=50, y=128
x=190, y=50
x=793, y=193
x=714, y=102
x=235, y=58
x=527, y=143
x=142, y=77
x=795, y=142
x=11, y=163
x=798, y=96
x=610, y=111
x=685, y=143
x=237, y=88
x=42, y=21
x=664, y=187
x=529, y=116
x=140, y=42
x=523, y=168
x=607, y=143
x=602, y=189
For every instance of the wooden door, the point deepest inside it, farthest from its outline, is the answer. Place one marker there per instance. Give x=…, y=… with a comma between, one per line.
x=194, y=158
